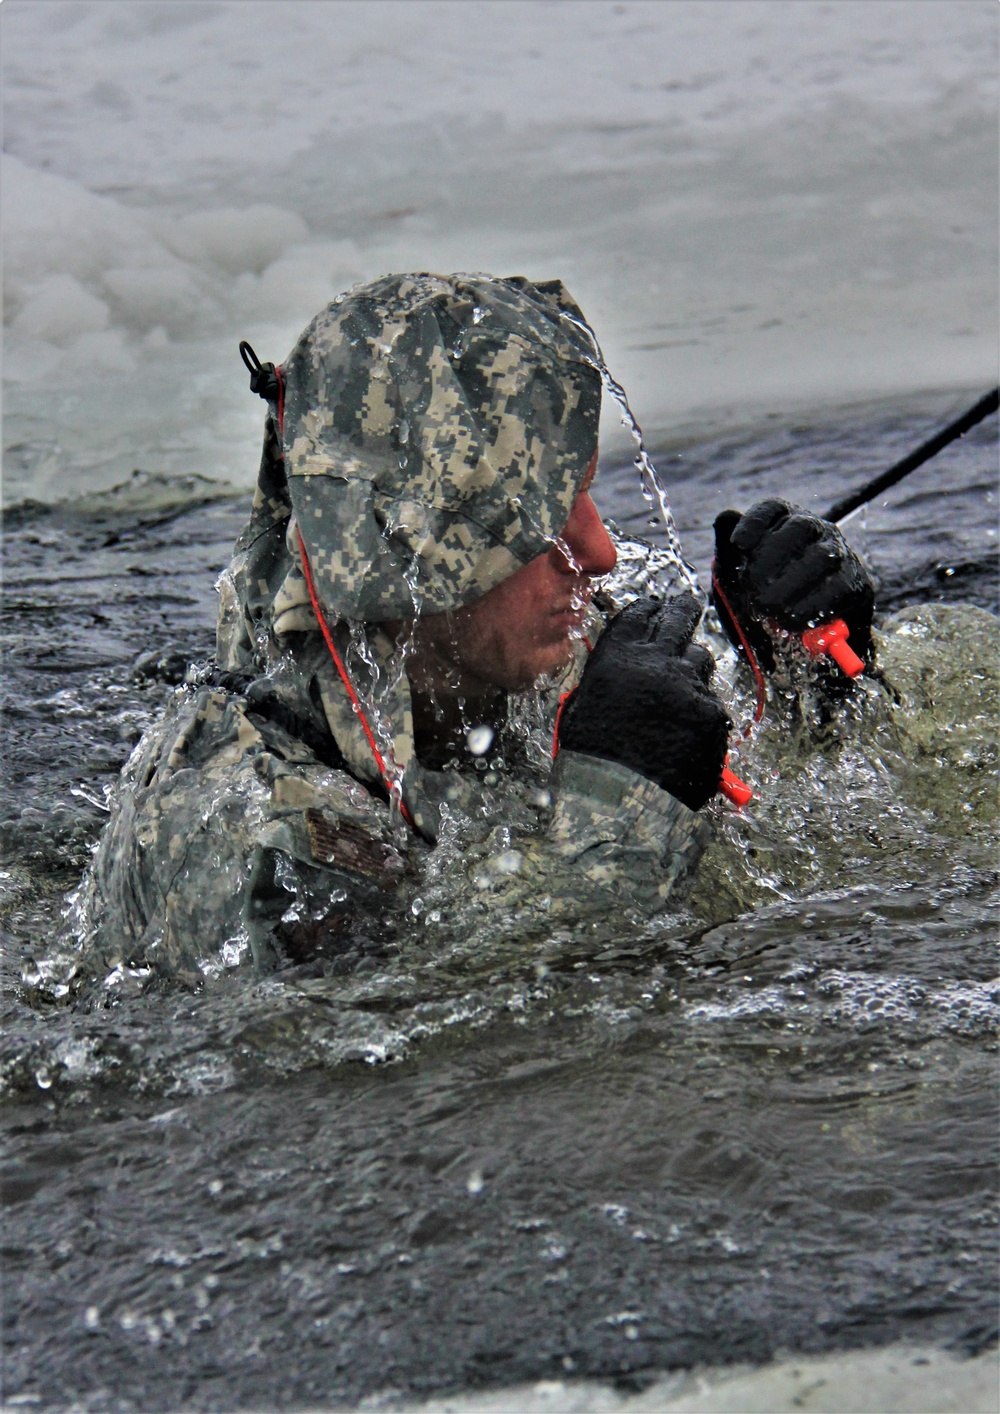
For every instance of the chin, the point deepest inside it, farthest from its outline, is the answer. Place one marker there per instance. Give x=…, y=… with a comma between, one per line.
x=544, y=665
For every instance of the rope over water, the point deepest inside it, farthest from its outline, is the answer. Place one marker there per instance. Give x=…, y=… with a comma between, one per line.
x=841, y=509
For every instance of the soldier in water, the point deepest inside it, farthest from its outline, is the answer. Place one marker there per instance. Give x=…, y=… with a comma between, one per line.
x=410, y=666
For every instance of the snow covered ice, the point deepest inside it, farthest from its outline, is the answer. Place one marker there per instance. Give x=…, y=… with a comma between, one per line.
x=757, y=204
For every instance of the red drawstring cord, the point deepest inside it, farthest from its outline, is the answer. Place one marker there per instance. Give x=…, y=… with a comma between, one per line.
x=392, y=781
x=751, y=656
x=559, y=711
x=562, y=703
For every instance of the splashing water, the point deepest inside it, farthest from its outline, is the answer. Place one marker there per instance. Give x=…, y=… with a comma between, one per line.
x=641, y=569
x=653, y=491
x=802, y=1060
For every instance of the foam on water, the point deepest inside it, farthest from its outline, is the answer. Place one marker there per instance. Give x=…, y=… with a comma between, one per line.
x=427, y=1161
x=641, y=1144
x=860, y=1001
x=450, y=962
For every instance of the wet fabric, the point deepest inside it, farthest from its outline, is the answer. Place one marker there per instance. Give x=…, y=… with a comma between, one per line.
x=436, y=432
x=254, y=816
x=230, y=832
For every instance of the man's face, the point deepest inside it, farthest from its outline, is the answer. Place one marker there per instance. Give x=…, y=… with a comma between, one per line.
x=523, y=628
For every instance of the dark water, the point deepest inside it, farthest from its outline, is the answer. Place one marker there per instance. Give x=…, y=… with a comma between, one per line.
x=705, y=1139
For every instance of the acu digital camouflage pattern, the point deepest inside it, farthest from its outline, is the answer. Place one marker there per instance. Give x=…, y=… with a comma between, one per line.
x=436, y=431
x=253, y=816
x=231, y=837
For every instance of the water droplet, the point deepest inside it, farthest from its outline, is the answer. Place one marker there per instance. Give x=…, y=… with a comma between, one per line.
x=475, y=1183
x=478, y=315
x=417, y=907
x=479, y=740
x=43, y=1078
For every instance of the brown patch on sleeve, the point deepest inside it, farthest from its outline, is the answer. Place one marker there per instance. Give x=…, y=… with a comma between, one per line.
x=347, y=846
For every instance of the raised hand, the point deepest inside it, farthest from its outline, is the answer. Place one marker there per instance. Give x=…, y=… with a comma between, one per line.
x=644, y=700
x=778, y=566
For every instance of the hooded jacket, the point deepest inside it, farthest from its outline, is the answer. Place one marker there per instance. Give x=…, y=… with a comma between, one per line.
x=428, y=436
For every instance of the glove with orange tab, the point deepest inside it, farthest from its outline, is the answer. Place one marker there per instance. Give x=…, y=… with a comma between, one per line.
x=779, y=567
x=644, y=700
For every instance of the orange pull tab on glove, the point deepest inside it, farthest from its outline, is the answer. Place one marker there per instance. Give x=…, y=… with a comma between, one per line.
x=734, y=789
x=832, y=638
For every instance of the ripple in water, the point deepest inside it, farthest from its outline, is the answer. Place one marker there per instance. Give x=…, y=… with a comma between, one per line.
x=764, y=1120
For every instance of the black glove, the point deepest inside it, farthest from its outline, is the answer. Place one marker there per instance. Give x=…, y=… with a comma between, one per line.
x=779, y=564
x=644, y=700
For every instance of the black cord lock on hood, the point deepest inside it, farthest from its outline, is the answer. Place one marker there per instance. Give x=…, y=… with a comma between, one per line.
x=263, y=377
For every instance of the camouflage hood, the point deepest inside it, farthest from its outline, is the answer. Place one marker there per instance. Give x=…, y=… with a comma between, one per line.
x=436, y=430
x=435, y=434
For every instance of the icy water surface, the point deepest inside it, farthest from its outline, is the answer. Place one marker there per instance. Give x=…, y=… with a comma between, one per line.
x=765, y=1123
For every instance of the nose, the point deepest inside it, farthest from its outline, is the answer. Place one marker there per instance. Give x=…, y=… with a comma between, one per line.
x=587, y=540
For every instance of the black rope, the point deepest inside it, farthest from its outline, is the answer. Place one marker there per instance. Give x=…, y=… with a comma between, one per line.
x=842, y=508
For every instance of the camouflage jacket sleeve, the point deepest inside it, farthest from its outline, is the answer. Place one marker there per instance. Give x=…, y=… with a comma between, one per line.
x=230, y=834
x=226, y=826
x=611, y=843
x=619, y=828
